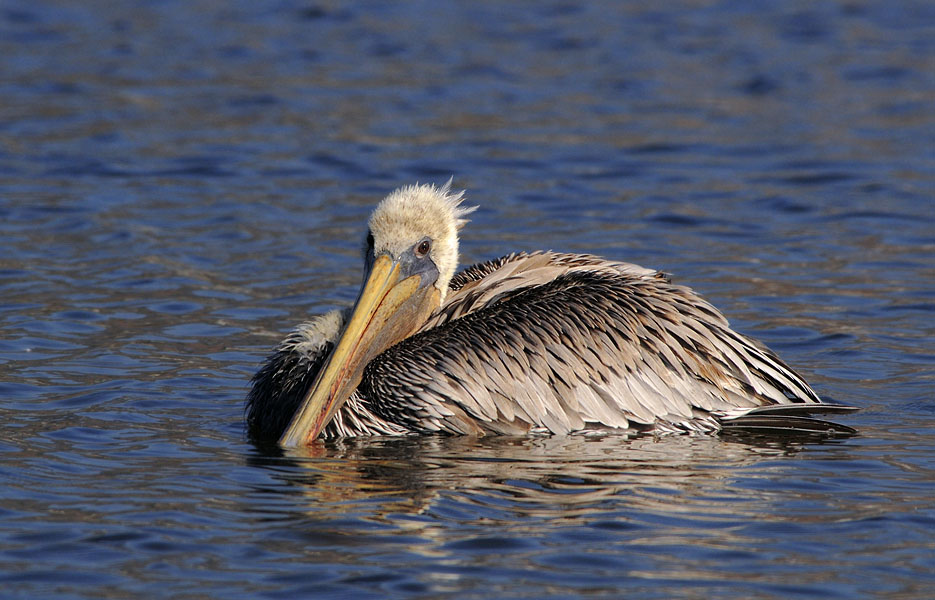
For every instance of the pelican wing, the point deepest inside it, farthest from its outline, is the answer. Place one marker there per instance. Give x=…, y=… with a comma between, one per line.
x=562, y=342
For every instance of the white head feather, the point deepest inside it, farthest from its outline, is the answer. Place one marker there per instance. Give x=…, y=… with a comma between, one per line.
x=414, y=212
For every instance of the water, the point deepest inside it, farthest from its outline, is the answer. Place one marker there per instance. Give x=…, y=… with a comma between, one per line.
x=181, y=182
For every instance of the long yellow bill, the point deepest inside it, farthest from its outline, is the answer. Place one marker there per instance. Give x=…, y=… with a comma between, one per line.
x=388, y=310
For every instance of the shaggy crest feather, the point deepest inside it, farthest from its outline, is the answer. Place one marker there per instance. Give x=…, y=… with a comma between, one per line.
x=414, y=212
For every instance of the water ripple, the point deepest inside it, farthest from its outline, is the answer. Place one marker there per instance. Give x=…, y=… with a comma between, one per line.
x=182, y=182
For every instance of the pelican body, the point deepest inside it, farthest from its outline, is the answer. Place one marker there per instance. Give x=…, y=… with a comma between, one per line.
x=542, y=342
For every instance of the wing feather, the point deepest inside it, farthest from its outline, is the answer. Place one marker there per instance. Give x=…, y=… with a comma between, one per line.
x=566, y=342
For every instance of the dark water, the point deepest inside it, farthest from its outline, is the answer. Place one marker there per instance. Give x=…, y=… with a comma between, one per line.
x=181, y=182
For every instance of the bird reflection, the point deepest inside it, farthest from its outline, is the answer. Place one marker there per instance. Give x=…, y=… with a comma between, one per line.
x=563, y=477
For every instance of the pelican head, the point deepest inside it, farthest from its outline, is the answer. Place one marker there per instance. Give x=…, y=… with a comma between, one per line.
x=410, y=256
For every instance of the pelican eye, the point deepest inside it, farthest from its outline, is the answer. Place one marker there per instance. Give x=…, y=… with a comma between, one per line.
x=423, y=249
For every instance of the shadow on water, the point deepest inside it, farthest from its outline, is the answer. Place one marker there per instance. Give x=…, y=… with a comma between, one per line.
x=563, y=476
x=756, y=515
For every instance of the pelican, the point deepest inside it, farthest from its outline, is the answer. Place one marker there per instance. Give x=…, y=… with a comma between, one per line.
x=540, y=342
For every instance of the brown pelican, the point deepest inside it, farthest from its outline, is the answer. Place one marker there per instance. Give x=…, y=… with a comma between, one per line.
x=540, y=342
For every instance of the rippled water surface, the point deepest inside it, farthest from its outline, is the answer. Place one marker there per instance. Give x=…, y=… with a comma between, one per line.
x=181, y=182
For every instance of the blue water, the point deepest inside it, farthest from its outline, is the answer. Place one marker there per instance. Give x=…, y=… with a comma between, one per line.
x=182, y=182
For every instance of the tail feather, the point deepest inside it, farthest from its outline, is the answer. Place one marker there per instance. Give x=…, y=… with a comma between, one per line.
x=777, y=425
x=786, y=419
x=798, y=410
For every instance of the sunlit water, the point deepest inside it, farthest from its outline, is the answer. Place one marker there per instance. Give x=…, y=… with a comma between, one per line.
x=181, y=182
